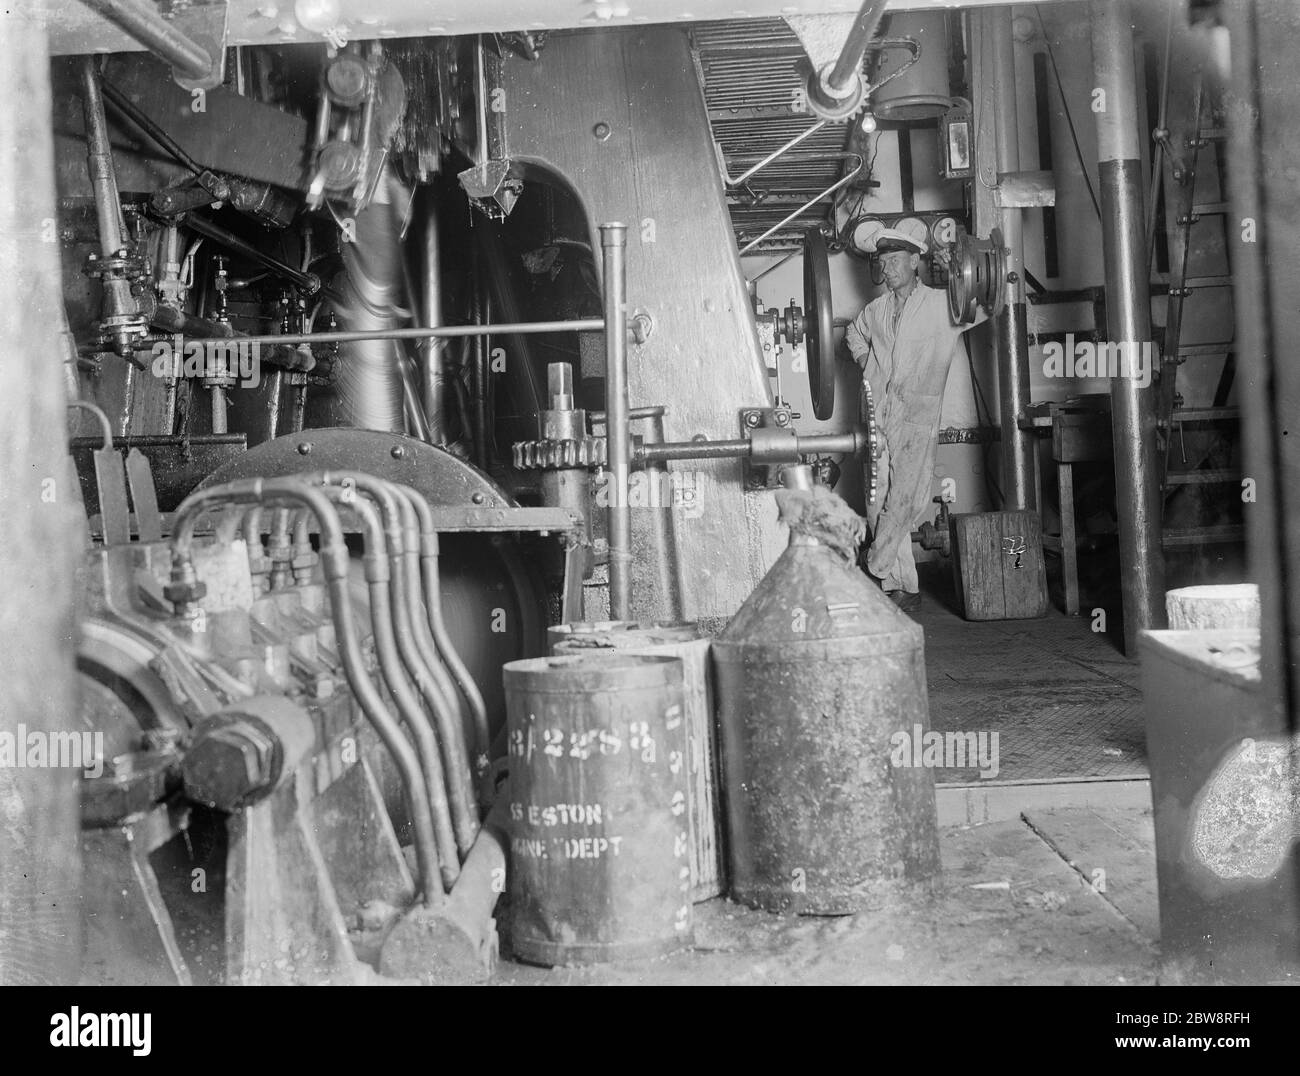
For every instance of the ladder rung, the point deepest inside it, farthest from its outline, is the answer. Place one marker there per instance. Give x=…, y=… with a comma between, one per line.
x=1208, y=282
x=1206, y=414
x=1205, y=209
x=1185, y=536
x=1190, y=350
x=1200, y=478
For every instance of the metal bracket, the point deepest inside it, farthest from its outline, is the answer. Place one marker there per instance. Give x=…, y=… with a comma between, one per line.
x=493, y=187
x=774, y=445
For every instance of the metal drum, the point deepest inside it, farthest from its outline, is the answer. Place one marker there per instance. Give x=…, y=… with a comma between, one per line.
x=820, y=679
x=599, y=831
x=681, y=641
x=921, y=92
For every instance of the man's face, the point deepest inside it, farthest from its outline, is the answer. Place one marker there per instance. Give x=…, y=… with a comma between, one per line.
x=899, y=267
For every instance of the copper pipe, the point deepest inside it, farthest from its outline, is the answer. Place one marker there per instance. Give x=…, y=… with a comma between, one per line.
x=429, y=553
x=437, y=691
x=335, y=560
x=375, y=560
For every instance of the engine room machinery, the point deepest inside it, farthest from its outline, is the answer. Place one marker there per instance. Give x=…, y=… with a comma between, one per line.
x=375, y=379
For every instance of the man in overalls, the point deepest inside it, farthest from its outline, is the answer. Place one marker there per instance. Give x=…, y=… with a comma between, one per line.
x=904, y=342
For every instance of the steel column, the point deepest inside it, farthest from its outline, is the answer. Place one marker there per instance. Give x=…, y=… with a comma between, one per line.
x=613, y=244
x=1010, y=329
x=1128, y=320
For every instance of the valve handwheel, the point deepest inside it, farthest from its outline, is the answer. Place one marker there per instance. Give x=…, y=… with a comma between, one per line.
x=976, y=276
x=819, y=324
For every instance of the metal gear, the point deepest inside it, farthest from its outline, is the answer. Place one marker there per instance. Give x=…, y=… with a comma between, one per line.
x=551, y=455
x=867, y=416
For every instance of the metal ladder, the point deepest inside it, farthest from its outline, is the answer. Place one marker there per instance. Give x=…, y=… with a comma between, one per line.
x=1190, y=130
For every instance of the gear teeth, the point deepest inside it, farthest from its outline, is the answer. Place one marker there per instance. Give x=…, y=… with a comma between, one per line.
x=554, y=455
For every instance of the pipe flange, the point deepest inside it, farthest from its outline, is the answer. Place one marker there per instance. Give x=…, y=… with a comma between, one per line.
x=550, y=454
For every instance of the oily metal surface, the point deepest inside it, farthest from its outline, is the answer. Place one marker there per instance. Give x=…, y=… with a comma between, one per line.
x=599, y=833
x=818, y=677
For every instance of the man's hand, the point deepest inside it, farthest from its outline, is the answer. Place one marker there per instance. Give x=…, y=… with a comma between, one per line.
x=943, y=255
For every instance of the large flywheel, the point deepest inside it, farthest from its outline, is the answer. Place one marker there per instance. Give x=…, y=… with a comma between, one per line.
x=819, y=324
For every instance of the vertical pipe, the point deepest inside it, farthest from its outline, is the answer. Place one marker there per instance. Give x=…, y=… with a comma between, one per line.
x=219, y=424
x=663, y=532
x=613, y=243
x=479, y=373
x=1128, y=320
x=40, y=843
x=1010, y=329
x=432, y=377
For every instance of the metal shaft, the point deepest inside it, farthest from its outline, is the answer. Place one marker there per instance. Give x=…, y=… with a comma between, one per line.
x=613, y=243
x=310, y=282
x=1128, y=321
x=1010, y=330
x=99, y=158
x=855, y=46
x=580, y=325
x=155, y=33
x=433, y=379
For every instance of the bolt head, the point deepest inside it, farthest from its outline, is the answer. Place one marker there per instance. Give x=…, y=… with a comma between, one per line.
x=398, y=452
x=225, y=766
x=304, y=448
x=601, y=131
x=477, y=498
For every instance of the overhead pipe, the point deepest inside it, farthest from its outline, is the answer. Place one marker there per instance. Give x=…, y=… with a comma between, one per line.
x=334, y=560
x=186, y=56
x=1128, y=322
x=613, y=243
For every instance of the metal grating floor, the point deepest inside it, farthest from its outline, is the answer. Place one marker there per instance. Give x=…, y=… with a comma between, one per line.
x=1065, y=704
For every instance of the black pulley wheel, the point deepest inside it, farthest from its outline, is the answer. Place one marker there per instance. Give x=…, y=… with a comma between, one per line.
x=819, y=324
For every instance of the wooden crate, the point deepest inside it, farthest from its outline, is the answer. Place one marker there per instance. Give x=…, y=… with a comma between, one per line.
x=997, y=564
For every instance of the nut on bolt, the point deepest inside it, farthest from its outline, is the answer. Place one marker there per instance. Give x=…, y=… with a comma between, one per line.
x=226, y=767
x=184, y=592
